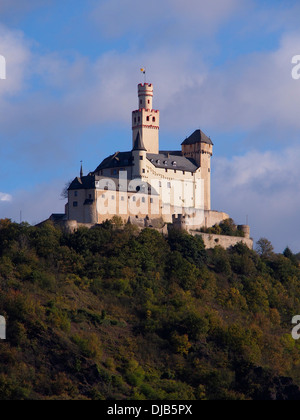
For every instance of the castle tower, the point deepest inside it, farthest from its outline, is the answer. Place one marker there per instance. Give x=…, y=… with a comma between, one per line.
x=199, y=147
x=146, y=120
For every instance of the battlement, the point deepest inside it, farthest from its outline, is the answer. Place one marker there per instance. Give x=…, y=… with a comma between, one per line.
x=145, y=85
x=147, y=110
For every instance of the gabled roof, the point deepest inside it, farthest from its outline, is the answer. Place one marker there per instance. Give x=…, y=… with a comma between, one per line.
x=175, y=162
x=84, y=183
x=139, y=144
x=119, y=159
x=197, y=137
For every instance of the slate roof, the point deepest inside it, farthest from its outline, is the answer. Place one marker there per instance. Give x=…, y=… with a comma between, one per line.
x=84, y=183
x=139, y=144
x=175, y=162
x=119, y=159
x=57, y=217
x=197, y=137
x=89, y=182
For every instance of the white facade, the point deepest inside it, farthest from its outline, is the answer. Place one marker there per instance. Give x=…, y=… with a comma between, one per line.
x=180, y=180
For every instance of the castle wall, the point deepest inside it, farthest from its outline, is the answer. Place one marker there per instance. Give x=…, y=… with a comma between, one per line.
x=126, y=204
x=187, y=190
x=211, y=241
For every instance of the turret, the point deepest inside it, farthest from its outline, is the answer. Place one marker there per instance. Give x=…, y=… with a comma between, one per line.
x=139, y=155
x=199, y=147
x=146, y=120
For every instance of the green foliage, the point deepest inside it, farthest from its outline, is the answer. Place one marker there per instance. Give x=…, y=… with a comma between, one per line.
x=227, y=227
x=117, y=313
x=264, y=248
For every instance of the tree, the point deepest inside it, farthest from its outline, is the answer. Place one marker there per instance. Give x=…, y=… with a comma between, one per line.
x=64, y=194
x=288, y=254
x=264, y=248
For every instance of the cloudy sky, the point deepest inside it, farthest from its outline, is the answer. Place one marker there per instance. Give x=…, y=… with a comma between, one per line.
x=224, y=66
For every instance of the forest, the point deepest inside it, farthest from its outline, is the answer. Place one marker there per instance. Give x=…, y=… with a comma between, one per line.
x=118, y=313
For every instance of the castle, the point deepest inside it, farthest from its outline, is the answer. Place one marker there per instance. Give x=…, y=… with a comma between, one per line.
x=149, y=187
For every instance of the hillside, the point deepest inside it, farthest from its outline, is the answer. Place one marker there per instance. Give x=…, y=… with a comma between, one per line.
x=114, y=313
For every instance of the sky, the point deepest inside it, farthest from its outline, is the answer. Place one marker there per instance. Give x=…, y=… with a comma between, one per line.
x=223, y=66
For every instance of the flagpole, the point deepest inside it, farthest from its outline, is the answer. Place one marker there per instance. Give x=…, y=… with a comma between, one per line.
x=143, y=70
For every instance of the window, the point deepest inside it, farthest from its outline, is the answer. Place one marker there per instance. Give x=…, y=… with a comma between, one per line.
x=90, y=196
x=75, y=193
x=153, y=119
x=151, y=200
x=148, y=101
x=133, y=198
x=169, y=184
x=144, y=171
x=135, y=120
x=141, y=158
x=75, y=203
x=122, y=198
x=141, y=101
x=139, y=119
x=148, y=118
x=143, y=200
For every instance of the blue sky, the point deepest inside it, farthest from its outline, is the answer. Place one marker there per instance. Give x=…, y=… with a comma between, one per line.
x=223, y=66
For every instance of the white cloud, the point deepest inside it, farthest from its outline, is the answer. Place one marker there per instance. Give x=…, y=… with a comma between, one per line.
x=264, y=186
x=16, y=51
x=5, y=197
x=253, y=91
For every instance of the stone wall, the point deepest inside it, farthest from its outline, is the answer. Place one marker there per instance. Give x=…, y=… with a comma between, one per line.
x=211, y=241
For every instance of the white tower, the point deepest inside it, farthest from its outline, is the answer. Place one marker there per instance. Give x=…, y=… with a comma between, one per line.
x=146, y=120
